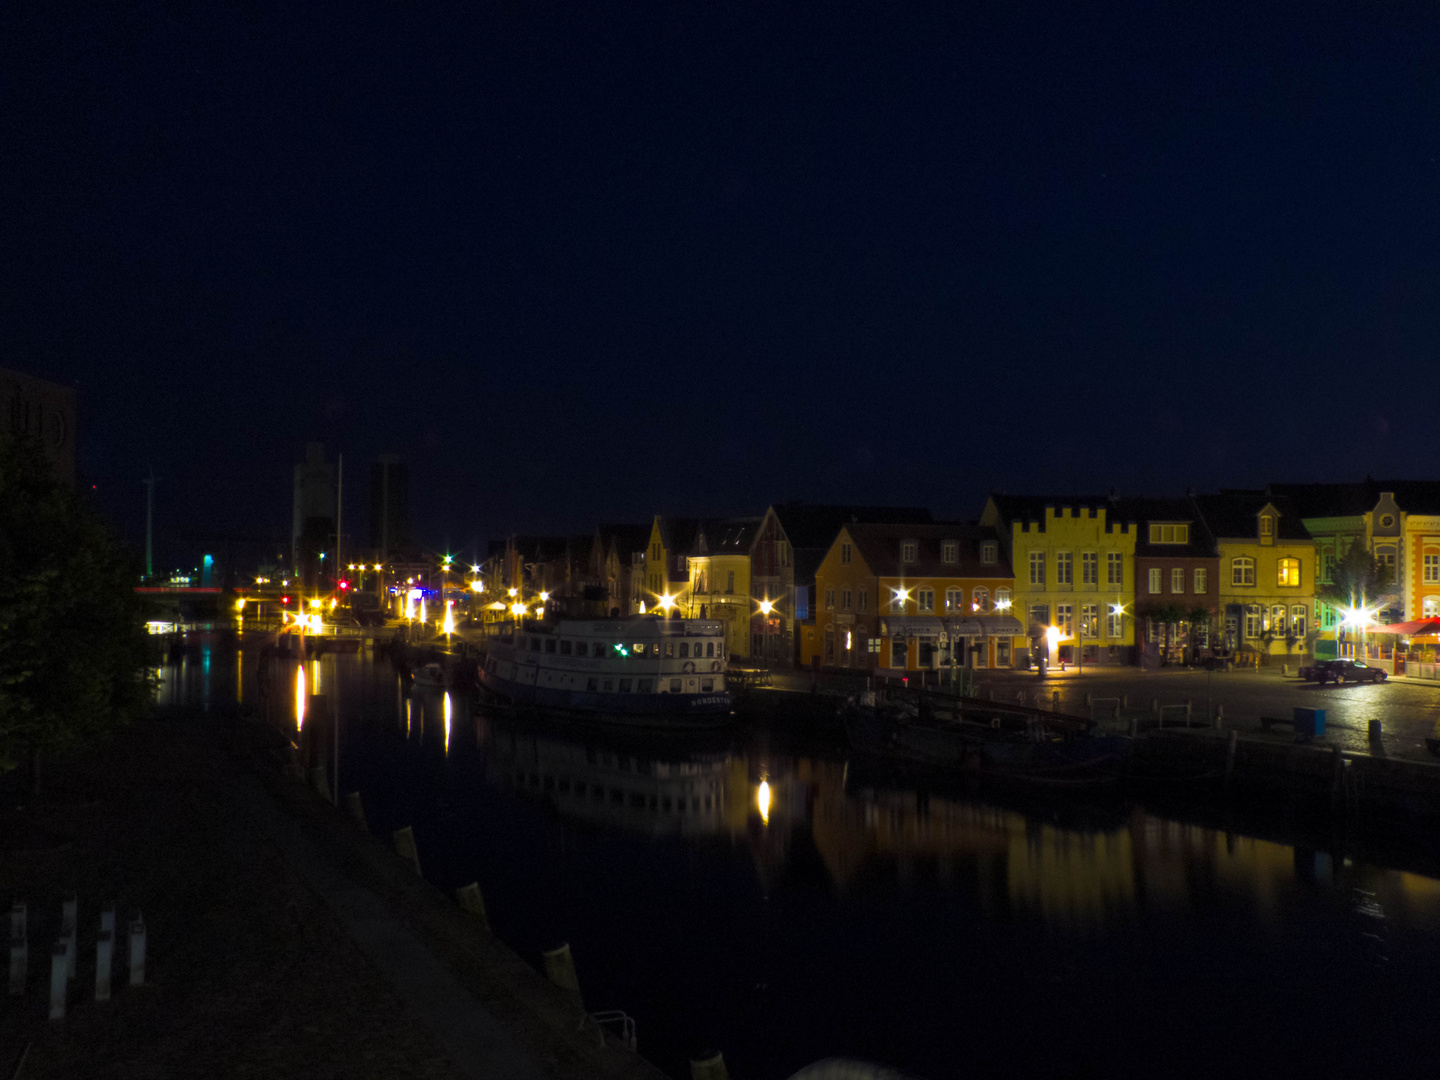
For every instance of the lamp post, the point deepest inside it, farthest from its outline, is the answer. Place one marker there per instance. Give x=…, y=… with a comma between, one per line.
x=766, y=607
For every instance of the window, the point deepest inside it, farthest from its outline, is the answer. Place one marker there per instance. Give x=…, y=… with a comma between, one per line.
x=1064, y=619
x=594, y=684
x=898, y=652
x=706, y=686
x=684, y=649
x=874, y=645
x=1169, y=534
x=1385, y=556
x=1002, y=597
x=566, y=648
x=1252, y=620
x=980, y=599
x=729, y=581
x=1037, y=568
x=1430, y=568
x=844, y=553
x=1089, y=568
x=1201, y=579
x=1113, y=622
x=625, y=685
x=926, y=599
x=1090, y=620
x=1177, y=580
x=844, y=599
x=1267, y=525
x=1063, y=574
x=953, y=599
x=989, y=555
x=669, y=648
x=829, y=599
x=1289, y=572
x=550, y=645
x=908, y=550
x=1154, y=579
x=1242, y=572
x=1039, y=615
x=1114, y=568
x=1430, y=607
x=1298, y=613
x=674, y=685
x=950, y=552
x=1327, y=566
x=1002, y=652
x=861, y=602
x=710, y=649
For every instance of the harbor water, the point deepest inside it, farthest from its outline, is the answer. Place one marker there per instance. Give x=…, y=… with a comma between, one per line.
x=768, y=894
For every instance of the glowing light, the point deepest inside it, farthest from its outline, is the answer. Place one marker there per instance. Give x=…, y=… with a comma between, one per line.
x=514, y=592
x=315, y=603
x=901, y=595
x=544, y=596
x=476, y=569
x=1357, y=618
x=240, y=604
x=1052, y=634
x=517, y=609
x=449, y=629
x=447, y=723
x=1002, y=605
x=766, y=607
x=762, y=801
x=539, y=612
x=667, y=601
x=422, y=610
x=299, y=697
x=847, y=640
x=477, y=585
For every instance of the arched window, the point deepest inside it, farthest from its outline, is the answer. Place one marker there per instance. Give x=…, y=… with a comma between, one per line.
x=953, y=599
x=1430, y=607
x=980, y=599
x=1242, y=570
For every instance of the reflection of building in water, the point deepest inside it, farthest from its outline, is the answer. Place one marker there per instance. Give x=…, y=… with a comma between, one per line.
x=687, y=795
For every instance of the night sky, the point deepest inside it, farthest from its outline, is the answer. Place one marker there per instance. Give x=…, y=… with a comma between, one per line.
x=582, y=262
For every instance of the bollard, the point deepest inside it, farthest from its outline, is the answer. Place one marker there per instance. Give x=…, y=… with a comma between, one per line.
x=1284, y=669
x=320, y=782
x=19, y=963
x=1134, y=726
x=1219, y=716
x=708, y=1065
x=405, y=847
x=1337, y=786
x=59, y=980
x=470, y=900
x=1188, y=712
x=104, y=961
x=137, y=951
x=68, y=915
x=1230, y=755
x=1155, y=706
x=357, y=810
x=1376, y=737
x=560, y=969
x=1055, y=701
x=1124, y=701
x=1088, y=700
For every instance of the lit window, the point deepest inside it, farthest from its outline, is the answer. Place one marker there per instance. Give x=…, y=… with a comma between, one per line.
x=1169, y=534
x=1037, y=568
x=1064, y=616
x=1430, y=607
x=1089, y=568
x=1002, y=596
x=1177, y=580
x=1113, y=623
x=1242, y=572
x=1090, y=620
x=980, y=599
x=1201, y=579
x=953, y=599
x=1114, y=568
x=1252, y=620
x=1267, y=525
x=925, y=599
x=1154, y=580
x=1431, y=568
x=1289, y=572
x=1298, y=614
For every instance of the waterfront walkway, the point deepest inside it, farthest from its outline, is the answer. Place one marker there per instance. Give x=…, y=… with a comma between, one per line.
x=281, y=940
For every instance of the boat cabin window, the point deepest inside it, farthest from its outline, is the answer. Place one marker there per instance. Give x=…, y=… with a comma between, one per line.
x=720, y=647
x=709, y=648
x=580, y=648
x=638, y=649
x=669, y=648
x=609, y=684
x=707, y=685
x=550, y=645
x=593, y=684
x=684, y=649
x=534, y=644
x=674, y=686
x=647, y=686
x=566, y=648
x=625, y=686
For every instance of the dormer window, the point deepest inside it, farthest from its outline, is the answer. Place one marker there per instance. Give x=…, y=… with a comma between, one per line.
x=1267, y=526
x=988, y=553
x=908, y=549
x=1169, y=534
x=950, y=551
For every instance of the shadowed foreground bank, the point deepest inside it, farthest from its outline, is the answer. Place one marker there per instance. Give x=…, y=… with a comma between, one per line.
x=252, y=891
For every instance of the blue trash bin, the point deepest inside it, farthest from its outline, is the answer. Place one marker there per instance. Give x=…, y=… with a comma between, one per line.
x=1310, y=722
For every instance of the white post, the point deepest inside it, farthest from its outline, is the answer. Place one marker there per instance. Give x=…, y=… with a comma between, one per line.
x=104, y=961
x=137, y=951
x=59, y=964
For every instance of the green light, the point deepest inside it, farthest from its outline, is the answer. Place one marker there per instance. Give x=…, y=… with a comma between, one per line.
x=622, y=650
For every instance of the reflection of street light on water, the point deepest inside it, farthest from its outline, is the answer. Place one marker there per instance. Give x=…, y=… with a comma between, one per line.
x=762, y=801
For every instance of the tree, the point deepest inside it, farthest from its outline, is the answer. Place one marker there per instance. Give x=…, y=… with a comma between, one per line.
x=73, y=648
x=1357, y=579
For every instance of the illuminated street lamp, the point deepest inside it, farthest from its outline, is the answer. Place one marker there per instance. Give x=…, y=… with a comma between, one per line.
x=766, y=607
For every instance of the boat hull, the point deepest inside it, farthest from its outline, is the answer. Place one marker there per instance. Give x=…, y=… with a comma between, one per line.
x=704, y=710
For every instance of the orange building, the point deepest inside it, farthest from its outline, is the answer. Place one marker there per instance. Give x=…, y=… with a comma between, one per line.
x=902, y=597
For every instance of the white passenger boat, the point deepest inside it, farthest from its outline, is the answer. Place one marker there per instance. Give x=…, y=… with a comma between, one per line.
x=642, y=670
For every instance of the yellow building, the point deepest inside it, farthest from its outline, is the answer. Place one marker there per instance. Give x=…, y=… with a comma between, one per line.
x=1074, y=561
x=719, y=583
x=1267, y=572
x=666, y=582
x=902, y=597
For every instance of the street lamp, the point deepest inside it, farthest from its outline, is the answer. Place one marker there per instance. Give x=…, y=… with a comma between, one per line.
x=766, y=607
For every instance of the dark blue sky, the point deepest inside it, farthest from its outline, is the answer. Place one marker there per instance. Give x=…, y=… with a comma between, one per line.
x=593, y=261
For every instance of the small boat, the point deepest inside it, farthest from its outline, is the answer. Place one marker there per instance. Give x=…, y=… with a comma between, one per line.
x=431, y=676
x=641, y=670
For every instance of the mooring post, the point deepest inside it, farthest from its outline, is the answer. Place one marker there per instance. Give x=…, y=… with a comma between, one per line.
x=708, y=1065
x=68, y=915
x=470, y=900
x=59, y=965
x=1088, y=700
x=1055, y=701
x=1134, y=726
x=104, y=961
x=405, y=847
x=137, y=950
x=1189, y=712
x=1219, y=716
x=1230, y=755
x=560, y=969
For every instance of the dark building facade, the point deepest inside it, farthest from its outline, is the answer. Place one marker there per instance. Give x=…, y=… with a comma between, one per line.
x=389, y=505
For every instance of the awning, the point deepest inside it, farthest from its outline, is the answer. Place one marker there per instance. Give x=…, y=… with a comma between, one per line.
x=911, y=626
x=993, y=626
x=1407, y=629
x=934, y=626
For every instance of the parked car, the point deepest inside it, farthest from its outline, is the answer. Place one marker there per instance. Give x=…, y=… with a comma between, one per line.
x=1339, y=671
